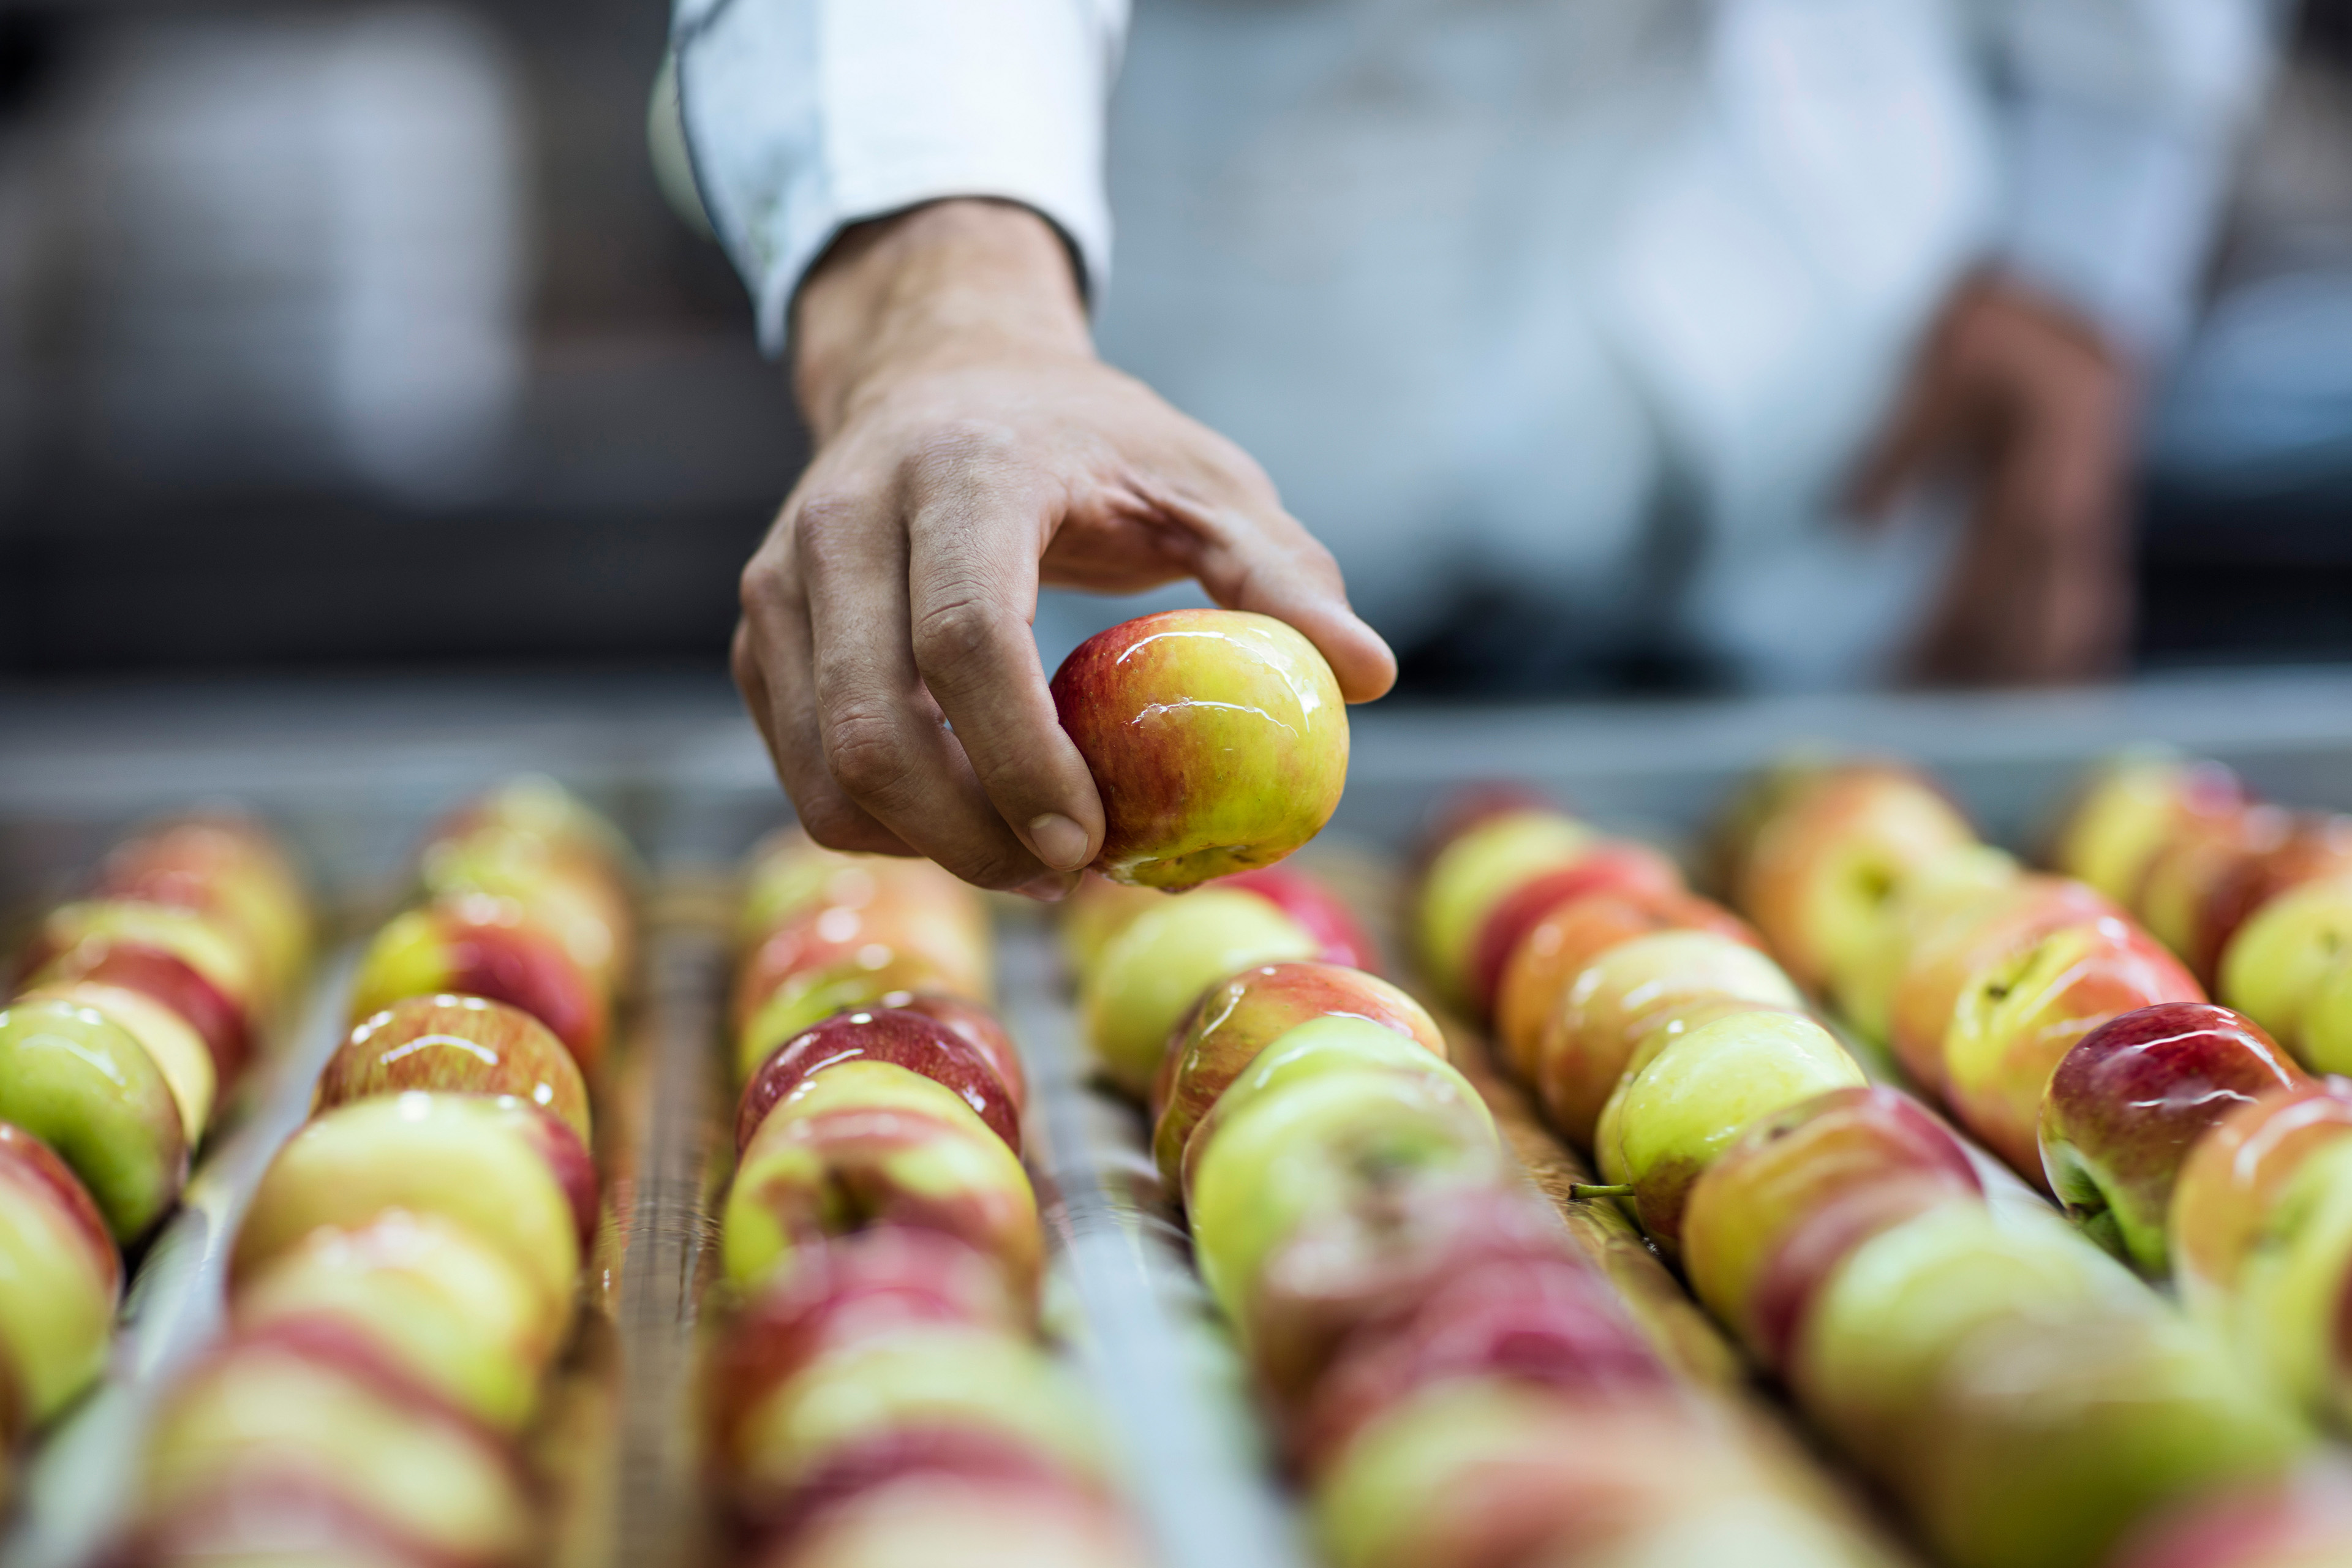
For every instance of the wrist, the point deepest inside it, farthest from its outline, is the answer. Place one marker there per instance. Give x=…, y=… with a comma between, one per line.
x=949, y=284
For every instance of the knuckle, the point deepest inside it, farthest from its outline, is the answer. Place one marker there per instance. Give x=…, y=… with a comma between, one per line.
x=823, y=519
x=949, y=635
x=866, y=755
x=836, y=824
x=957, y=447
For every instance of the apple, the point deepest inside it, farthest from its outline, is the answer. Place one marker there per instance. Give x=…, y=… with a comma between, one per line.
x=788, y=873
x=1474, y=873
x=541, y=810
x=226, y=866
x=1317, y=908
x=81, y=1084
x=2192, y=876
x=2229, y=1185
x=877, y=977
x=831, y=935
x=1311, y=1132
x=170, y=1041
x=60, y=1280
x=866, y=1143
x=2019, y=1016
x=1218, y=740
x=982, y=1030
x=1566, y=940
x=181, y=958
x=1968, y=935
x=998, y=1517
x=1692, y=1098
x=2306, y=1523
x=1862, y=988
x=1778, y=1210
x=475, y=945
x=2317, y=847
x=1624, y=994
x=930, y=1379
x=580, y=903
x=2292, y=1295
x=2283, y=953
x=1239, y=1017
x=451, y=1311
x=304, y=1411
x=1821, y=865
x=901, y=1037
x=1553, y=1321
x=2127, y=1102
x=506, y=1170
x=1609, y=866
x=1097, y=911
x=2129, y=808
x=1152, y=973
x=282, y=1520
x=2328, y=1023
x=466, y=1045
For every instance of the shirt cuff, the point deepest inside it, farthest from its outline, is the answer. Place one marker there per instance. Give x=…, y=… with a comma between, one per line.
x=805, y=116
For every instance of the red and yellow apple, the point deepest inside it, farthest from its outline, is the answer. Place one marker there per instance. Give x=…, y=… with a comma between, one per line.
x=2191, y=877
x=182, y=958
x=227, y=866
x=170, y=1041
x=2284, y=956
x=901, y=1036
x=996, y=1515
x=475, y=945
x=1317, y=908
x=2130, y=808
x=2317, y=847
x=1471, y=875
x=1217, y=739
x=1151, y=974
x=466, y=1044
x=84, y=1085
x=788, y=873
x=835, y=936
x=1609, y=865
x=60, y=1280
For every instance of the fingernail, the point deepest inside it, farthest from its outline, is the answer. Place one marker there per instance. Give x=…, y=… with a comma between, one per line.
x=1051, y=888
x=1059, y=842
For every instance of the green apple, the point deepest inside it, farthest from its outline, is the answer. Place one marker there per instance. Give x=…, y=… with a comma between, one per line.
x=1474, y=873
x=84, y=1085
x=60, y=1279
x=1692, y=1100
x=866, y=1142
x=2283, y=955
x=448, y=1306
x=170, y=1041
x=2328, y=1024
x=1326, y=1132
x=1151, y=974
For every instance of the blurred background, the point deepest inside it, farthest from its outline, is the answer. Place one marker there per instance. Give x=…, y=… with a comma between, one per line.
x=358, y=336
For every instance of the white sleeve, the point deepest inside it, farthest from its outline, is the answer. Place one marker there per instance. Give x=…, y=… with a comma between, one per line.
x=2123, y=119
x=804, y=116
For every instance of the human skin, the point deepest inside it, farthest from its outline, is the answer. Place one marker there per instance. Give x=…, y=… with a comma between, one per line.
x=970, y=448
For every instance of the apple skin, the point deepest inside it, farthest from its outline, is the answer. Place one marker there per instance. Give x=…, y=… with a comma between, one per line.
x=788, y=873
x=582, y=905
x=280, y=1521
x=1821, y=865
x=1003, y=1514
x=1691, y=1099
x=1237, y=1018
x=1609, y=866
x=1097, y=911
x=1780, y=1209
x=2231, y=1182
x=181, y=958
x=1941, y=892
x=452, y=1312
x=982, y=1030
x=2125, y=1105
x=2018, y=1018
x=1218, y=740
x=1566, y=938
x=466, y=1045
x=2306, y=1523
x=868, y=1143
x=60, y=1280
x=830, y=936
x=2316, y=847
x=2129, y=808
x=898, y=1035
x=879, y=978
x=170, y=1041
x=84, y=1085
x=2328, y=1022
x=2283, y=955
x=298, y=1407
x=2192, y=875
x=1473, y=872
x=2289, y=1310
x=1151, y=974
x=1629, y=992
x=481, y=946
x=1318, y=912
x=227, y=866
x=508, y=1171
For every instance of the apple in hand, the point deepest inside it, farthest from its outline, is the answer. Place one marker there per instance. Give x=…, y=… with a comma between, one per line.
x=2129, y=808
x=1153, y=971
x=901, y=1036
x=475, y=945
x=1473, y=871
x=2127, y=1103
x=1609, y=865
x=1218, y=740
x=227, y=866
x=181, y=958
x=867, y=1143
x=466, y=1045
x=1777, y=1213
x=1822, y=863
x=1239, y=1017
x=1626, y=993
x=1676, y=1112
x=830, y=936
x=1567, y=940
x=170, y=1041
x=452, y=1310
x=2282, y=958
x=82, y=1084
x=1317, y=909
x=60, y=1280
x=510, y=1173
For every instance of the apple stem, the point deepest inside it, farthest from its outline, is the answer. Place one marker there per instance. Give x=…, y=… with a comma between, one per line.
x=1585, y=1191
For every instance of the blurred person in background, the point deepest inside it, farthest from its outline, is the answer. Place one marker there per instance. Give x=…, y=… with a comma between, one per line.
x=1794, y=340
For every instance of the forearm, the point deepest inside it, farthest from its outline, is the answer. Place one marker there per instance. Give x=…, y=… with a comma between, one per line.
x=949, y=284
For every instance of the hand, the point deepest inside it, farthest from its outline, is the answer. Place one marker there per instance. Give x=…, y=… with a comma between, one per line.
x=970, y=446
x=2030, y=404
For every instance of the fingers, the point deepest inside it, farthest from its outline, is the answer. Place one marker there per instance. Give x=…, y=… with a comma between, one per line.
x=972, y=587
x=884, y=741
